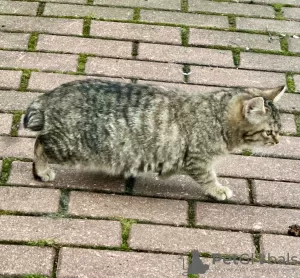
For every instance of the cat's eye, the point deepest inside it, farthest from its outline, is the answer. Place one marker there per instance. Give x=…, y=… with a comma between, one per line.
x=269, y=132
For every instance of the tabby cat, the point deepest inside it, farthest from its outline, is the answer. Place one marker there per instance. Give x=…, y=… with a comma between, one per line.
x=125, y=129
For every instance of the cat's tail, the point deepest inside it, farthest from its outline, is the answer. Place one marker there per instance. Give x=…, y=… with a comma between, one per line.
x=34, y=117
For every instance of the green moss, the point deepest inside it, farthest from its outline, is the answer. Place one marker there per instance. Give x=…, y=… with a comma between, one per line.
x=236, y=57
x=193, y=275
x=126, y=227
x=64, y=201
x=290, y=82
x=16, y=123
x=192, y=213
x=136, y=14
x=41, y=9
x=25, y=80
x=86, y=27
x=42, y=243
x=256, y=241
x=185, y=36
x=278, y=11
x=247, y=152
x=5, y=172
x=81, y=63
x=135, y=49
x=33, y=39
x=297, y=121
x=90, y=2
x=284, y=44
x=232, y=22
x=33, y=276
x=184, y=6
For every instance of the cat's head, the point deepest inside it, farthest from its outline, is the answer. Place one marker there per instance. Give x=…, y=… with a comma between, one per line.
x=261, y=122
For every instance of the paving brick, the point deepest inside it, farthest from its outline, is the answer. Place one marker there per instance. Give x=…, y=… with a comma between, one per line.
x=259, y=168
x=39, y=24
x=10, y=100
x=21, y=174
x=68, y=1
x=18, y=7
x=294, y=45
x=184, y=87
x=10, y=79
x=25, y=132
x=297, y=82
x=293, y=13
x=288, y=124
x=278, y=245
x=139, y=32
x=276, y=193
x=60, y=230
x=183, y=187
x=41, y=61
x=24, y=199
x=282, y=26
x=22, y=260
x=89, y=263
x=245, y=218
x=109, y=48
x=14, y=40
x=184, y=18
x=16, y=147
x=235, y=77
x=269, y=62
x=134, y=69
x=290, y=103
x=5, y=123
x=231, y=8
x=183, y=240
x=148, y=209
x=41, y=81
x=90, y=11
x=233, y=39
x=157, y=4
x=180, y=54
x=291, y=2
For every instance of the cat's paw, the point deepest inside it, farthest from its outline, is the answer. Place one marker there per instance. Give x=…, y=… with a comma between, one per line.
x=220, y=192
x=48, y=175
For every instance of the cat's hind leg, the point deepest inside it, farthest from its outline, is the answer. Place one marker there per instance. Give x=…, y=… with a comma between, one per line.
x=41, y=169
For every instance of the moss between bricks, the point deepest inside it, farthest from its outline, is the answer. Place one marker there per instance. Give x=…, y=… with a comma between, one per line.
x=86, y=27
x=185, y=36
x=16, y=123
x=278, y=11
x=290, y=82
x=5, y=172
x=136, y=14
x=236, y=56
x=33, y=276
x=192, y=213
x=81, y=63
x=297, y=121
x=25, y=80
x=126, y=227
x=33, y=39
x=42, y=243
x=184, y=6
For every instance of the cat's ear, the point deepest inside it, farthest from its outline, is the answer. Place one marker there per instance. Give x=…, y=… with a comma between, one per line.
x=274, y=94
x=254, y=110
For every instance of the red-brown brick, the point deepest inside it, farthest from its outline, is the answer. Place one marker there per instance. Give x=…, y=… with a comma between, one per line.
x=184, y=240
x=61, y=231
x=21, y=260
x=245, y=218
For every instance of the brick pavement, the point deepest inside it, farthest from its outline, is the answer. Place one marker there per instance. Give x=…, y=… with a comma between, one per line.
x=87, y=225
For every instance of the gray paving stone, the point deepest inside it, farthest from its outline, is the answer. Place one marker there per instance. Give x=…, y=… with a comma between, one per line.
x=10, y=79
x=233, y=39
x=68, y=1
x=288, y=123
x=281, y=26
x=34, y=200
x=189, y=55
x=290, y=102
x=193, y=89
x=42, y=81
x=278, y=245
x=294, y=45
x=137, y=32
x=291, y=2
x=293, y=13
x=60, y=230
x=108, y=48
x=297, y=82
x=22, y=260
x=147, y=209
x=134, y=69
x=184, y=18
x=259, y=168
x=40, y=24
x=245, y=218
x=235, y=77
x=14, y=40
x=16, y=147
x=89, y=263
x=18, y=7
x=231, y=8
x=5, y=123
x=40, y=61
x=276, y=193
x=21, y=174
x=269, y=62
x=157, y=4
x=183, y=240
x=90, y=11
x=11, y=100
x=183, y=187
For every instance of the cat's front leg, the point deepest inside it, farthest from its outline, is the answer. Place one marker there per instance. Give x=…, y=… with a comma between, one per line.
x=203, y=173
